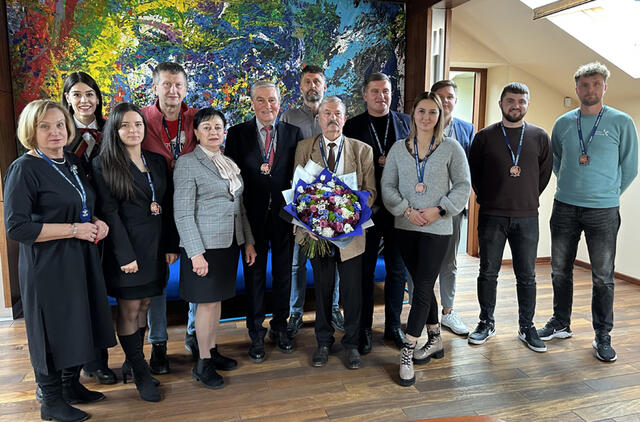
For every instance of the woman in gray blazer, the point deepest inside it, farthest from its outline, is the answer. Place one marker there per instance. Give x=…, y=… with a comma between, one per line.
x=212, y=224
x=425, y=181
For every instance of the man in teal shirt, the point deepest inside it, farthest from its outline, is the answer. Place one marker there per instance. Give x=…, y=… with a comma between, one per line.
x=595, y=158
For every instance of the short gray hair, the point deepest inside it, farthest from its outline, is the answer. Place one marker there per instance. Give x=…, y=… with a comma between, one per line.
x=264, y=84
x=332, y=99
x=591, y=69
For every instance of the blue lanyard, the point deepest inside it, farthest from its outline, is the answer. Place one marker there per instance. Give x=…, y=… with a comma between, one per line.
x=324, y=158
x=584, y=147
x=272, y=134
x=386, y=134
x=514, y=158
x=148, y=173
x=420, y=167
x=85, y=215
x=176, y=150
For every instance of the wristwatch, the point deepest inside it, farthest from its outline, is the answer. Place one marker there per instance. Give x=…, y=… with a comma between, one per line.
x=442, y=211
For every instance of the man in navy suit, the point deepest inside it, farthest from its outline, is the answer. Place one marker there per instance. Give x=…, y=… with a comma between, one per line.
x=379, y=127
x=264, y=149
x=462, y=132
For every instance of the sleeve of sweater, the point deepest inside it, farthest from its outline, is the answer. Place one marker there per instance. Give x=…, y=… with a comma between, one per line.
x=628, y=154
x=458, y=196
x=389, y=184
x=545, y=162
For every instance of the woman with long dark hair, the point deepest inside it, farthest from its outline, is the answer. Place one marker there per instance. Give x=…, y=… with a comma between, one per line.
x=49, y=210
x=425, y=181
x=135, y=198
x=81, y=96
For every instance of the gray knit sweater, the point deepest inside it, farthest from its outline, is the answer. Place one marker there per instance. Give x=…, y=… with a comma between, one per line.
x=446, y=176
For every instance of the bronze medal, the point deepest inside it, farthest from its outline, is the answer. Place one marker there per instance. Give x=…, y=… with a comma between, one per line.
x=265, y=168
x=421, y=187
x=514, y=171
x=584, y=160
x=382, y=160
x=155, y=208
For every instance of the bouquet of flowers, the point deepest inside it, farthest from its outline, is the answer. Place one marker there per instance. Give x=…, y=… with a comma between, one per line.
x=329, y=209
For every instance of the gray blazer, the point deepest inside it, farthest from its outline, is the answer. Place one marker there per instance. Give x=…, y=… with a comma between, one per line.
x=206, y=213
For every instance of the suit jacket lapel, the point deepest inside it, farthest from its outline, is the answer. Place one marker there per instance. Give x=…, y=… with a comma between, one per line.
x=349, y=156
x=202, y=157
x=280, y=143
x=397, y=124
x=254, y=142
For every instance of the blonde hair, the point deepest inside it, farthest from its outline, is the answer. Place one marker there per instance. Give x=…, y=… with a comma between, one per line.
x=33, y=114
x=592, y=69
x=438, y=130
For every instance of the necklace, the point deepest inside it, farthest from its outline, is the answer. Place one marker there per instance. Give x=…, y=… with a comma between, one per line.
x=64, y=160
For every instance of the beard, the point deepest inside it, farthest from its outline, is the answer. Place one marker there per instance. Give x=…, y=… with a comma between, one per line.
x=512, y=119
x=312, y=97
x=590, y=100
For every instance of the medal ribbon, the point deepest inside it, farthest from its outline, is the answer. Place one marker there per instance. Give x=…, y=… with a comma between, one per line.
x=386, y=134
x=84, y=216
x=324, y=157
x=420, y=167
x=176, y=150
x=148, y=173
x=583, y=146
x=514, y=158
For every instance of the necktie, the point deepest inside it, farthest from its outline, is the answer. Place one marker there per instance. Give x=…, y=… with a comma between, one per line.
x=81, y=146
x=332, y=156
x=267, y=143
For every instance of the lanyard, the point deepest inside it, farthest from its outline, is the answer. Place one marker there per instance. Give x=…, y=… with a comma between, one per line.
x=148, y=173
x=272, y=134
x=176, y=151
x=514, y=158
x=420, y=167
x=85, y=216
x=375, y=134
x=324, y=158
x=583, y=146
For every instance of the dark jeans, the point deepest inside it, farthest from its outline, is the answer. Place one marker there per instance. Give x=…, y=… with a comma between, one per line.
x=324, y=270
x=600, y=226
x=423, y=254
x=395, y=278
x=522, y=234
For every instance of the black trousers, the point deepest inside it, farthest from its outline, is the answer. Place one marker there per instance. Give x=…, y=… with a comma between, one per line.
x=423, y=254
x=277, y=235
x=395, y=277
x=350, y=271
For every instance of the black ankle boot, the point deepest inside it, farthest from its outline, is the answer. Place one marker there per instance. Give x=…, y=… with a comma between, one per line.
x=54, y=407
x=127, y=371
x=73, y=391
x=141, y=375
x=205, y=372
x=222, y=363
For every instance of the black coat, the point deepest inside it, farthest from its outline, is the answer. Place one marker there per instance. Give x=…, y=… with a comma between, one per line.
x=262, y=193
x=61, y=283
x=134, y=233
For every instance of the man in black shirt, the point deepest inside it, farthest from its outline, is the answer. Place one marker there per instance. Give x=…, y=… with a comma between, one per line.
x=380, y=127
x=510, y=166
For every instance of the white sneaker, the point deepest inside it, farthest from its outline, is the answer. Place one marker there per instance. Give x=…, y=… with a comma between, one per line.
x=453, y=322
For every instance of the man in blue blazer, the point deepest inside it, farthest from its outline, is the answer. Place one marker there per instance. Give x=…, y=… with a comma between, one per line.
x=462, y=132
x=264, y=149
x=379, y=127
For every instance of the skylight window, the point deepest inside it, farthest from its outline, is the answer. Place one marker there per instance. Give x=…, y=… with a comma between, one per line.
x=608, y=27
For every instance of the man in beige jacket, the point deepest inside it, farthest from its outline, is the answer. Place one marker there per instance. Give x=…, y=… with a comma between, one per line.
x=340, y=155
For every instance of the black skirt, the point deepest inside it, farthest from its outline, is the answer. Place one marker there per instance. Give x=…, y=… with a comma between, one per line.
x=219, y=283
x=136, y=292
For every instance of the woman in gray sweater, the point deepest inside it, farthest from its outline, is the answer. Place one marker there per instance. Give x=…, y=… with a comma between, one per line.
x=425, y=182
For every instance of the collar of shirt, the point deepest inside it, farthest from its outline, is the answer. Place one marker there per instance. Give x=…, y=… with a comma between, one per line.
x=450, y=130
x=263, y=134
x=80, y=125
x=340, y=163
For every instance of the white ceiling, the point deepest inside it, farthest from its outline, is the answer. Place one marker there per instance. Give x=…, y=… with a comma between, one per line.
x=540, y=48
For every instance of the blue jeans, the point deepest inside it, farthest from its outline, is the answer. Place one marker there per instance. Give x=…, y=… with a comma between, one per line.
x=522, y=234
x=157, y=318
x=191, y=318
x=600, y=226
x=299, y=282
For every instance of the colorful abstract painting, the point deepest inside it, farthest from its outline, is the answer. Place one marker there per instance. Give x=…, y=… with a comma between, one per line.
x=224, y=47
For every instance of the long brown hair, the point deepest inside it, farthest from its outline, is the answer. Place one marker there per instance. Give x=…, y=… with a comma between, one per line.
x=438, y=130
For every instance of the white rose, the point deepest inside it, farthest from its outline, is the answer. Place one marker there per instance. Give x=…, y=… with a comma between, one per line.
x=347, y=228
x=327, y=232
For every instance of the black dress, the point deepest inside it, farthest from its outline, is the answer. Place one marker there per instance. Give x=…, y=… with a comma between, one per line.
x=134, y=233
x=61, y=283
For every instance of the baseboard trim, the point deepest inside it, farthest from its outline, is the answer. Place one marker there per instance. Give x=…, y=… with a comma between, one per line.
x=618, y=275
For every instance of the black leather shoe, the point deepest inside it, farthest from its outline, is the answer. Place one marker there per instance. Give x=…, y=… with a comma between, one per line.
x=320, y=356
x=396, y=335
x=191, y=344
x=256, y=350
x=222, y=363
x=282, y=341
x=103, y=375
x=159, y=363
x=365, y=341
x=205, y=372
x=353, y=359
x=294, y=324
x=337, y=320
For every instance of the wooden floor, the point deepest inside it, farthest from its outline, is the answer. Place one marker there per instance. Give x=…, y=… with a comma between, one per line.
x=501, y=378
